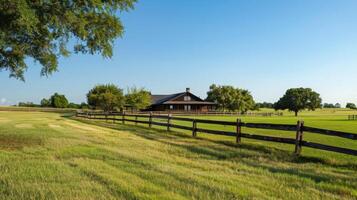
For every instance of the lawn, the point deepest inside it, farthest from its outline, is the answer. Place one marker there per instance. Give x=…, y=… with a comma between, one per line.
x=47, y=156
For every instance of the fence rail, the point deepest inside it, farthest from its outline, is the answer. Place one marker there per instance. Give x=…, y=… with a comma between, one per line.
x=352, y=117
x=299, y=128
x=198, y=113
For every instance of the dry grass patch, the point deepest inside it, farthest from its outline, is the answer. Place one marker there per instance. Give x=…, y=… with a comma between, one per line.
x=17, y=142
x=24, y=126
x=82, y=127
x=55, y=126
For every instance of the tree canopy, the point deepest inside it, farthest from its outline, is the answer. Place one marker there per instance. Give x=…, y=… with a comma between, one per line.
x=42, y=29
x=229, y=98
x=45, y=102
x=106, y=97
x=331, y=105
x=138, y=98
x=297, y=99
x=351, y=106
x=264, y=105
x=58, y=101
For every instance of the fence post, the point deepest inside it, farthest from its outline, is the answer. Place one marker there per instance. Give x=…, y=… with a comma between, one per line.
x=136, y=119
x=123, y=117
x=106, y=117
x=150, y=120
x=299, y=137
x=194, y=128
x=239, y=131
x=168, y=122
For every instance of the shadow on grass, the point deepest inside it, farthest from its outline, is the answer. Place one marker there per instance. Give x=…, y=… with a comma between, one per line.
x=227, y=150
x=17, y=142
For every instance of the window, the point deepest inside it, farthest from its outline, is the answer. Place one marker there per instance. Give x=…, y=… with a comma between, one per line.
x=171, y=107
x=187, y=98
x=187, y=107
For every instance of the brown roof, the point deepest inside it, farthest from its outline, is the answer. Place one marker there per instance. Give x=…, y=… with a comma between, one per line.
x=160, y=99
x=190, y=102
x=167, y=99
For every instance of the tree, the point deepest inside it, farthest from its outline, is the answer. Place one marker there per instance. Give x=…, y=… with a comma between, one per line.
x=45, y=102
x=337, y=105
x=84, y=106
x=351, y=106
x=42, y=29
x=230, y=98
x=58, y=101
x=297, y=99
x=106, y=97
x=328, y=105
x=28, y=104
x=73, y=105
x=138, y=98
x=265, y=105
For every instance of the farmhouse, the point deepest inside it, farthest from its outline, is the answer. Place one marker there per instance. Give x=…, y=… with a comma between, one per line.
x=184, y=101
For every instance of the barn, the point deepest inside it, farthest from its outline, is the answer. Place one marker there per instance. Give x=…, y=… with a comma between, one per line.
x=184, y=101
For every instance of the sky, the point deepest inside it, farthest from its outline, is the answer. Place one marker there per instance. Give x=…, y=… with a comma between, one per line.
x=263, y=46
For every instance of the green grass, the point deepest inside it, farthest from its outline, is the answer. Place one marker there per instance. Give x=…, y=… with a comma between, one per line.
x=46, y=156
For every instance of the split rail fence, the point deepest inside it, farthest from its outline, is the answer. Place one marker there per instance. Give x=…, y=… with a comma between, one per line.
x=166, y=121
x=352, y=117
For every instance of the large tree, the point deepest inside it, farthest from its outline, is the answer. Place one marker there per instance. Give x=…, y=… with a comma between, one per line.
x=230, y=98
x=138, y=98
x=297, y=99
x=106, y=97
x=42, y=29
x=351, y=106
x=58, y=101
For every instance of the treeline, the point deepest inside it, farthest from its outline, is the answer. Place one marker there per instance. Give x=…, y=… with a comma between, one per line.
x=55, y=101
x=337, y=105
x=109, y=97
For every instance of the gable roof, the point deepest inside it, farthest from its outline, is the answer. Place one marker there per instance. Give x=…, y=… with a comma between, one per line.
x=159, y=99
x=168, y=99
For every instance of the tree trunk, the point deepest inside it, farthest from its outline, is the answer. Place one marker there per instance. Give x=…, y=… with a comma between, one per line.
x=296, y=113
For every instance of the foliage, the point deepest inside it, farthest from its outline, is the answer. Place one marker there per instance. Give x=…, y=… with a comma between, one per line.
x=331, y=105
x=27, y=104
x=265, y=105
x=78, y=106
x=84, y=106
x=74, y=105
x=58, y=101
x=45, y=102
x=297, y=99
x=106, y=97
x=351, y=106
x=137, y=99
x=230, y=98
x=42, y=29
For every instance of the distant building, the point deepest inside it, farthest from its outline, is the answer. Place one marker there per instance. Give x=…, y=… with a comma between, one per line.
x=184, y=101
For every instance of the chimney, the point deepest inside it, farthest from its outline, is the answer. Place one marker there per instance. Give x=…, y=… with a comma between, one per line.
x=187, y=89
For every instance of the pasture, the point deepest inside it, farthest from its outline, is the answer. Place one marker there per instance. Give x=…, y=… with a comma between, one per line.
x=47, y=156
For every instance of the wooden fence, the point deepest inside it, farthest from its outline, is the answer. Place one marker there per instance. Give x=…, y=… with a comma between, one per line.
x=214, y=113
x=352, y=117
x=299, y=128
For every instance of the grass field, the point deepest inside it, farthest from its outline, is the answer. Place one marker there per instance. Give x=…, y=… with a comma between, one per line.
x=46, y=156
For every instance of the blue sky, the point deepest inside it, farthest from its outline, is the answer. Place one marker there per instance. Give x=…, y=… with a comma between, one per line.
x=260, y=45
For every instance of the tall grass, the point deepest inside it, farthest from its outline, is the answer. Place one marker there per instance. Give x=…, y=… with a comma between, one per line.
x=46, y=156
